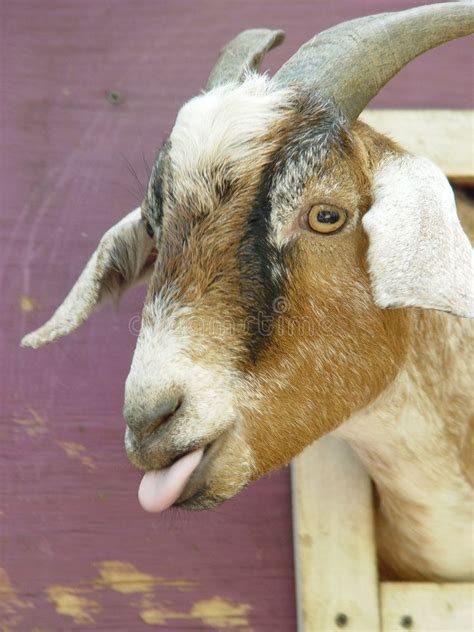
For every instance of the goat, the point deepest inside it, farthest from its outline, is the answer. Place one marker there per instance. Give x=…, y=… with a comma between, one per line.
x=306, y=276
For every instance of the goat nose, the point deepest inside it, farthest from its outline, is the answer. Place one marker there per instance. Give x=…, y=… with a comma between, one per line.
x=143, y=421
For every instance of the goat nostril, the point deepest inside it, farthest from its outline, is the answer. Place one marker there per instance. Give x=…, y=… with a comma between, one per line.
x=161, y=414
x=145, y=422
x=170, y=413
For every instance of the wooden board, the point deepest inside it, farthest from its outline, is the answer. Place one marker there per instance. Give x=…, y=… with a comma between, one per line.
x=444, y=136
x=336, y=575
x=427, y=607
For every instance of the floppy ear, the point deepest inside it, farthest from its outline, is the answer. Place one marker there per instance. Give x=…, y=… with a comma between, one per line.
x=124, y=256
x=419, y=255
x=242, y=53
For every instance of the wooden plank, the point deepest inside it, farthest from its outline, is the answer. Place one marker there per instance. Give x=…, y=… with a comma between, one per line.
x=444, y=136
x=427, y=607
x=337, y=583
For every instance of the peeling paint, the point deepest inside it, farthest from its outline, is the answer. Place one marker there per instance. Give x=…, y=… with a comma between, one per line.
x=11, y=604
x=154, y=613
x=76, y=451
x=217, y=613
x=33, y=425
x=74, y=600
x=125, y=578
x=221, y=613
x=161, y=615
x=68, y=601
x=28, y=303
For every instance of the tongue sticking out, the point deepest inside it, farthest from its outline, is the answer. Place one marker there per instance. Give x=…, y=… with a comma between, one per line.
x=160, y=489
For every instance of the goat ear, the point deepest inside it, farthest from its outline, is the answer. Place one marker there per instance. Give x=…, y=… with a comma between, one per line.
x=244, y=52
x=123, y=257
x=419, y=255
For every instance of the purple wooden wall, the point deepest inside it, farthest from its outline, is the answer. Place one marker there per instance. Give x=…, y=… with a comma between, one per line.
x=76, y=550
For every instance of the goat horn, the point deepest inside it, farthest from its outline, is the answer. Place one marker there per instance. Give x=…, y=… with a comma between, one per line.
x=245, y=51
x=352, y=61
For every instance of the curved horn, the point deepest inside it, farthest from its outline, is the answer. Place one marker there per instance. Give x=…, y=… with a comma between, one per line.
x=244, y=51
x=352, y=61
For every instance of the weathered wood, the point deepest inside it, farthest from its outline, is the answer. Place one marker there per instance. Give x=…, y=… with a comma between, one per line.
x=427, y=607
x=444, y=136
x=337, y=583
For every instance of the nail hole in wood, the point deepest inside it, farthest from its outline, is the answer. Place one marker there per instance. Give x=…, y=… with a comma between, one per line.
x=406, y=622
x=341, y=620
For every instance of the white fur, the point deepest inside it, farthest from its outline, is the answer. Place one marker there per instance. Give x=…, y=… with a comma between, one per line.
x=162, y=367
x=223, y=125
x=418, y=253
x=427, y=504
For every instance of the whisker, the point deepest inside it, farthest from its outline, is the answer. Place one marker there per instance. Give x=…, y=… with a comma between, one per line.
x=134, y=193
x=130, y=167
x=147, y=166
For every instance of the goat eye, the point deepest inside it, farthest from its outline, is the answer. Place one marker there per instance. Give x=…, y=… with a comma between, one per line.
x=149, y=229
x=323, y=218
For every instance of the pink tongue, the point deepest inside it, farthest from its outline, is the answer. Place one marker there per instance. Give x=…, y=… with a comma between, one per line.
x=161, y=488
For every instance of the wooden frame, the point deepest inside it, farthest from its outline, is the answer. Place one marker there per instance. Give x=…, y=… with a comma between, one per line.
x=336, y=570
x=335, y=557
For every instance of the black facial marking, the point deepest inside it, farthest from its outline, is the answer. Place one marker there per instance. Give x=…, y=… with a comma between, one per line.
x=323, y=129
x=263, y=266
x=258, y=258
x=155, y=192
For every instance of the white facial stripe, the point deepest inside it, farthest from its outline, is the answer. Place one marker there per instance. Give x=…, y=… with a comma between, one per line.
x=162, y=367
x=221, y=125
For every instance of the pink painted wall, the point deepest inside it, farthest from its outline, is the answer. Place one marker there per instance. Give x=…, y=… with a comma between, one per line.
x=76, y=550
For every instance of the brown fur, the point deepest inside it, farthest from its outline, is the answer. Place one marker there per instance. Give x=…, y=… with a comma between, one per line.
x=355, y=347
x=351, y=350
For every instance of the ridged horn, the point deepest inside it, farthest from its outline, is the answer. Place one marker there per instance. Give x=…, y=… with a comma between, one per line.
x=352, y=61
x=244, y=51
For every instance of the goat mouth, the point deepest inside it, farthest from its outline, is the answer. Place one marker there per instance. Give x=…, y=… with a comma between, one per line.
x=160, y=489
x=196, y=489
x=177, y=484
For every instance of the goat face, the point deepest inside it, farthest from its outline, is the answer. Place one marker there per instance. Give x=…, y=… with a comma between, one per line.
x=258, y=333
x=274, y=232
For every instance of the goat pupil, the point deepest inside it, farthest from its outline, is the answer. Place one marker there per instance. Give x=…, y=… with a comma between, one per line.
x=328, y=217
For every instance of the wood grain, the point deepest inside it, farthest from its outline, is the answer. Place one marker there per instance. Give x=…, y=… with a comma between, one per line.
x=427, y=607
x=337, y=583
